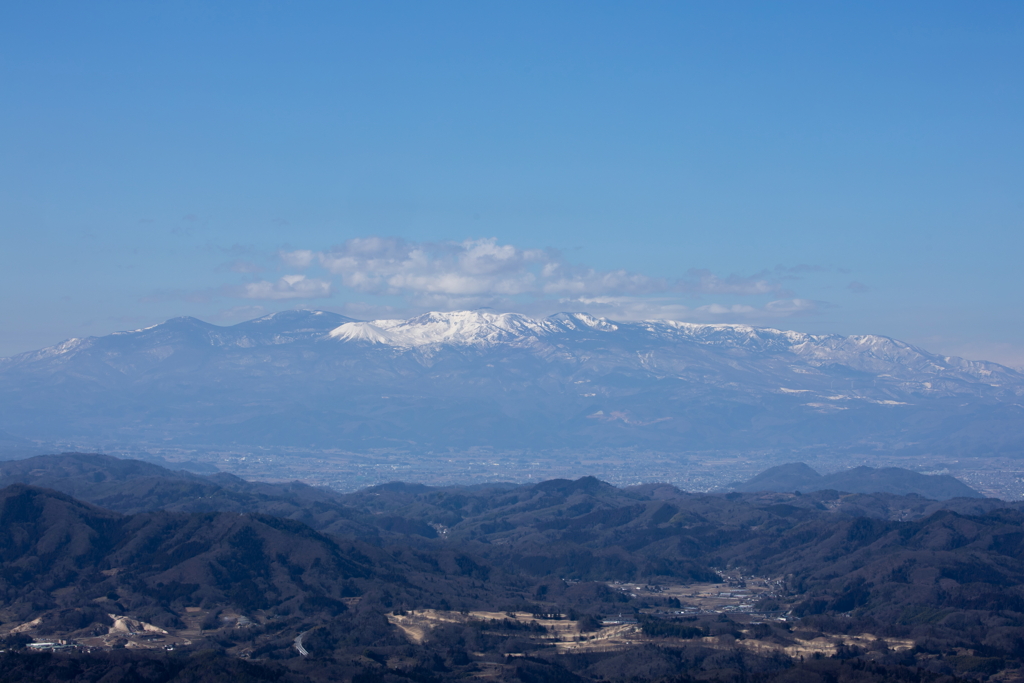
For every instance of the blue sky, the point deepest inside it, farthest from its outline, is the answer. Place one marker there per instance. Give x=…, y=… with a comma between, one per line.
x=826, y=167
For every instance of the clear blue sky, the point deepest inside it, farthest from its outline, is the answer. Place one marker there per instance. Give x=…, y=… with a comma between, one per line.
x=826, y=167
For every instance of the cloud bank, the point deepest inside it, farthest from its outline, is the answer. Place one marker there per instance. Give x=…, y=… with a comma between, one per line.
x=483, y=273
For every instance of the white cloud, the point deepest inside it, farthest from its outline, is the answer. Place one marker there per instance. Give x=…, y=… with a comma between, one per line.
x=661, y=308
x=288, y=287
x=398, y=275
x=719, y=309
x=474, y=268
x=786, y=307
x=300, y=258
x=484, y=269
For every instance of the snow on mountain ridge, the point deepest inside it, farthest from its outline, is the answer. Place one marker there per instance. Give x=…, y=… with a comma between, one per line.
x=485, y=328
x=457, y=327
x=874, y=354
x=571, y=321
x=60, y=352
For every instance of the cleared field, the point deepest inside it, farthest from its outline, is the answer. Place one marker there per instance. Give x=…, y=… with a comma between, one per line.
x=566, y=637
x=134, y=634
x=736, y=594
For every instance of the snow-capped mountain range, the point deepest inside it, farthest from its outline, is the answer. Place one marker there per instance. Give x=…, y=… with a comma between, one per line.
x=465, y=379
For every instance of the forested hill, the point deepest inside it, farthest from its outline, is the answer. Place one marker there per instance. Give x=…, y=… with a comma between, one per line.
x=403, y=578
x=131, y=486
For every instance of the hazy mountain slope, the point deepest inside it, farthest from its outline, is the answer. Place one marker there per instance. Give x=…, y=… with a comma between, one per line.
x=15, y=447
x=899, y=481
x=307, y=379
x=896, y=480
x=792, y=476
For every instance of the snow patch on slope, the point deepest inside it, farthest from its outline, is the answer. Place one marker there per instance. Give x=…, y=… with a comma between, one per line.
x=576, y=321
x=367, y=332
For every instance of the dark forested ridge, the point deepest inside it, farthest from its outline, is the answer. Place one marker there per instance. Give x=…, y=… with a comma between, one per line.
x=150, y=574
x=131, y=486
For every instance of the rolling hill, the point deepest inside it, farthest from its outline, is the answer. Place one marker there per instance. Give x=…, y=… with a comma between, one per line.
x=562, y=580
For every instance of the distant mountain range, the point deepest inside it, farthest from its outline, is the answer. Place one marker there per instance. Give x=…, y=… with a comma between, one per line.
x=470, y=379
x=798, y=476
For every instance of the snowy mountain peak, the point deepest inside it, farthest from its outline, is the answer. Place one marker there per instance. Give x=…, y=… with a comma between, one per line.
x=456, y=327
x=577, y=320
x=367, y=332
x=483, y=328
